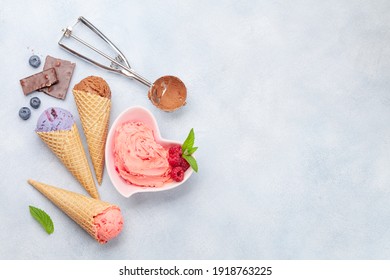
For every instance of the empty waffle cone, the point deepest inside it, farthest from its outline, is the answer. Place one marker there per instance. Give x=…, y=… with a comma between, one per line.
x=92, y=97
x=84, y=211
x=66, y=145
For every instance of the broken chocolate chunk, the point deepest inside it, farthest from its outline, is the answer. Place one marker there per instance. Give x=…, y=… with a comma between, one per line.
x=39, y=80
x=64, y=70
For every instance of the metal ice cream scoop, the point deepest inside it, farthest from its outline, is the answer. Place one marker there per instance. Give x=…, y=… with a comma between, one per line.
x=167, y=93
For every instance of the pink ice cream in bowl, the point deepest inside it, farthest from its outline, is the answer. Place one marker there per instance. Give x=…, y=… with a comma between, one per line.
x=136, y=154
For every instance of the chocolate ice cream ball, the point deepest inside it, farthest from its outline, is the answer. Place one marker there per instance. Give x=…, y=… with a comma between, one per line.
x=94, y=85
x=168, y=93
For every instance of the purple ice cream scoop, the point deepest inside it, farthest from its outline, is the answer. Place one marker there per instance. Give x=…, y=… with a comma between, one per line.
x=53, y=119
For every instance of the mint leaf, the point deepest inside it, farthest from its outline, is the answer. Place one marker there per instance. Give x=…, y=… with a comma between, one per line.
x=43, y=218
x=192, y=162
x=189, y=142
x=190, y=151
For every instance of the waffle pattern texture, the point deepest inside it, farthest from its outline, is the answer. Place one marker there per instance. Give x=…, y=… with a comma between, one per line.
x=94, y=111
x=67, y=146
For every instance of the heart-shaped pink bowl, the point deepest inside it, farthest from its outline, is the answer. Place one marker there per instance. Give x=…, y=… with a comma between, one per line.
x=136, y=114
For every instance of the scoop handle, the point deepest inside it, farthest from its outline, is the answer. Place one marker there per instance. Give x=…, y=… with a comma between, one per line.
x=130, y=73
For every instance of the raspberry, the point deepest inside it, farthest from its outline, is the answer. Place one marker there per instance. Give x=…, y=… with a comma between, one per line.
x=175, y=150
x=184, y=164
x=174, y=160
x=177, y=174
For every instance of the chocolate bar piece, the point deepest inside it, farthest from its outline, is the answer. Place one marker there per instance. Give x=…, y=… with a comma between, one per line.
x=40, y=80
x=64, y=70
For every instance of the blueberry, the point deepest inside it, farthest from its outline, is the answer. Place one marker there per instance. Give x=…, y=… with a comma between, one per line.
x=34, y=61
x=35, y=102
x=24, y=113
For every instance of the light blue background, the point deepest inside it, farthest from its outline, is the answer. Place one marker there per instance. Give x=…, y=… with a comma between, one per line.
x=290, y=105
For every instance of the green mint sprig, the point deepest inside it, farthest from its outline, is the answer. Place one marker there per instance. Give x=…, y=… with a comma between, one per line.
x=188, y=149
x=43, y=218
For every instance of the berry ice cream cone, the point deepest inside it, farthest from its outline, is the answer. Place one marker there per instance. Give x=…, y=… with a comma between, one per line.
x=102, y=220
x=56, y=127
x=93, y=99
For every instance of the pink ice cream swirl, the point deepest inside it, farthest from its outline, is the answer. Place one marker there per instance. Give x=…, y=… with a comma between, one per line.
x=139, y=160
x=108, y=224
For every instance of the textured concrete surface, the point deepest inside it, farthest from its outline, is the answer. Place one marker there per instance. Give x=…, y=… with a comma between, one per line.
x=290, y=105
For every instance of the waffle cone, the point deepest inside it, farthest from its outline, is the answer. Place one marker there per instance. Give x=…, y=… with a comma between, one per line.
x=94, y=112
x=66, y=145
x=80, y=208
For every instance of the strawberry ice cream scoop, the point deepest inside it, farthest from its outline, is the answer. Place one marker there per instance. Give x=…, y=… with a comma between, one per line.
x=108, y=224
x=138, y=159
x=53, y=119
